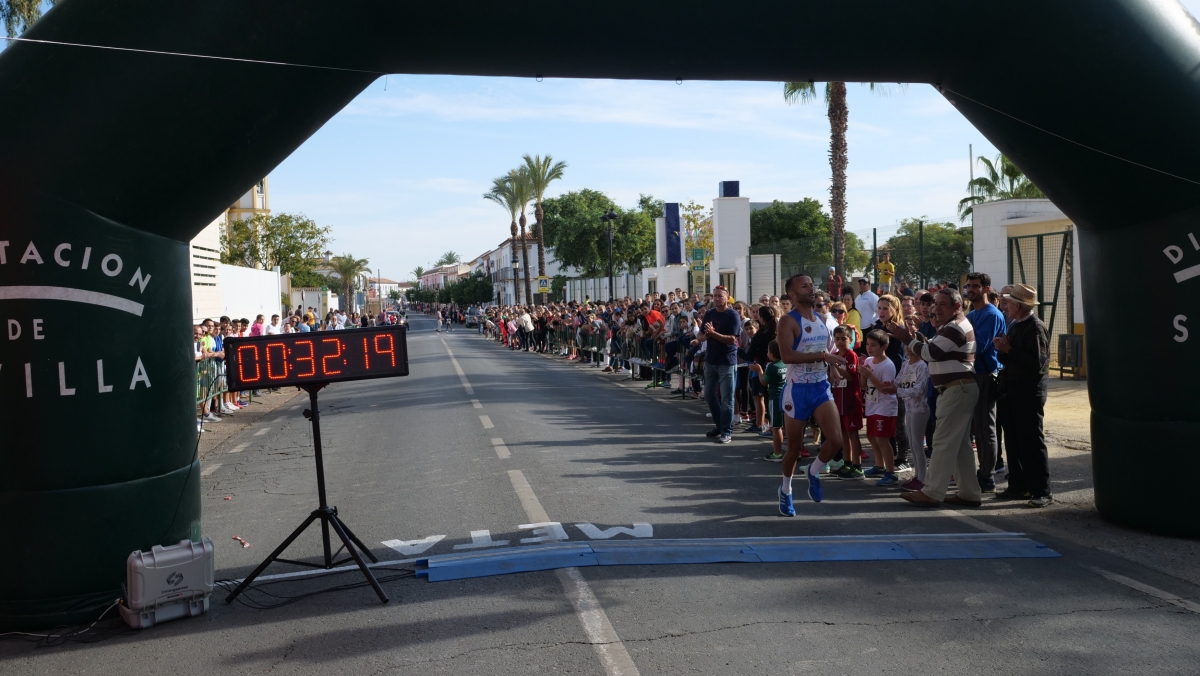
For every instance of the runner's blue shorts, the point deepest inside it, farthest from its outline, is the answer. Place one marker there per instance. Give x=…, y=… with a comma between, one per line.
x=800, y=400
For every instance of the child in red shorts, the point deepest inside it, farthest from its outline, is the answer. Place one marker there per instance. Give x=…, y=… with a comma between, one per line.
x=879, y=381
x=847, y=393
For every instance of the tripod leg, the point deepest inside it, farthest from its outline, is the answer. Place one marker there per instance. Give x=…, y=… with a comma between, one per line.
x=325, y=539
x=361, y=546
x=274, y=555
x=337, y=526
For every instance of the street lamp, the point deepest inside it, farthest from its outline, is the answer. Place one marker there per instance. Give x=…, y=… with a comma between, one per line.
x=516, y=265
x=608, y=220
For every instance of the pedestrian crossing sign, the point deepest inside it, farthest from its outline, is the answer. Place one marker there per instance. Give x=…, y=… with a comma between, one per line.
x=543, y=284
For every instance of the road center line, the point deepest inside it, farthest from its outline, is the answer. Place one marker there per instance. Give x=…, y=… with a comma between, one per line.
x=476, y=404
x=210, y=469
x=462, y=376
x=1148, y=590
x=599, y=630
x=262, y=431
x=239, y=448
x=487, y=422
x=501, y=449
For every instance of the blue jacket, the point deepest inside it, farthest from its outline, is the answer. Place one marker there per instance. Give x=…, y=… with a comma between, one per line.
x=988, y=323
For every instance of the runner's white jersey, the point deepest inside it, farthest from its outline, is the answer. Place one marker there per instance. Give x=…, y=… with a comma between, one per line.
x=813, y=336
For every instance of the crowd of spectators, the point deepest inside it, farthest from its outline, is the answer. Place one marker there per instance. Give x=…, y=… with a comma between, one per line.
x=897, y=354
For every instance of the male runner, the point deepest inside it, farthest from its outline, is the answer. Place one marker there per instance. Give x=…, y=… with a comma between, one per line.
x=805, y=343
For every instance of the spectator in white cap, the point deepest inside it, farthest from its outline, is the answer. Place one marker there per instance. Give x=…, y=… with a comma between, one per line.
x=866, y=304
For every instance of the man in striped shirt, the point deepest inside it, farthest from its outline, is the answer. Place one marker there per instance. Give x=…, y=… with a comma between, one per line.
x=951, y=358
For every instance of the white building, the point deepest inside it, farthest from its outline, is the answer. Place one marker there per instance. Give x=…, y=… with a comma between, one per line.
x=443, y=275
x=1033, y=242
x=497, y=265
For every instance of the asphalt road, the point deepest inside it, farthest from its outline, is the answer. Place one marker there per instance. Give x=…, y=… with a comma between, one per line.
x=425, y=465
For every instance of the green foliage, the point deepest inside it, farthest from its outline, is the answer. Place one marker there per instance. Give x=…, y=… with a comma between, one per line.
x=291, y=241
x=948, y=251
x=573, y=228
x=698, y=232
x=467, y=291
x=558, y=287
x=1002, y=180
x=417, y=272
x=419, y=295
x=348, y=270
x=782, y=221
x=448, y=258
x=18, y=15
x=394, y=294
x=306, y=279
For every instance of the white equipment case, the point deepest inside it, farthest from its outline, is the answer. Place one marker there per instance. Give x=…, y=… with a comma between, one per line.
x=167, y=583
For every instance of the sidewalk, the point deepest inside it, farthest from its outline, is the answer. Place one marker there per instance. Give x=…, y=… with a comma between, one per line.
x=1072, y=517
x=216, y=434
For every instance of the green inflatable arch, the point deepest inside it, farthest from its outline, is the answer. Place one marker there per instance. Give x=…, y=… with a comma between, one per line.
x=112, y=160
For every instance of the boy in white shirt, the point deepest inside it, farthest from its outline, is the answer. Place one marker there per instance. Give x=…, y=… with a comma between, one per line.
x=879, y=375
x=912, y=385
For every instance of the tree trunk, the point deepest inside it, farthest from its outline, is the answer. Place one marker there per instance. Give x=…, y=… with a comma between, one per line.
x=516, y=279
x=525, y=261
x=839, y=116
x=541, y=241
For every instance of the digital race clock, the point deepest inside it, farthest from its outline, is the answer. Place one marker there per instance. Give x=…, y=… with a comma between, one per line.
x=315, y=357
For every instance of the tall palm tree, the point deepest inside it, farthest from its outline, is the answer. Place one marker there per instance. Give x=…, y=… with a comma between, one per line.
x=417, y=273
x=349, y=269
x=505, y=193
x=519, y=178
x=1002, y=180
x=839, y=120
x=542, y=171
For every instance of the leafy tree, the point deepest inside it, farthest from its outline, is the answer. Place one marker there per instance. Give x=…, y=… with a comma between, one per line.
x=948, y=251
x=541, y=172
x=291, y=241
x=348, y=270
x=697, y=224
x=580, y=239
x=470, y=290
x=306, y=279
x=19, y=15
x=394, y=294
x=781, y=221
x=1002, y=180
x=839, y=119
x=448, y=258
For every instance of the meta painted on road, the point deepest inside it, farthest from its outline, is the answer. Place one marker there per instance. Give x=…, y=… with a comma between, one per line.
x=548, y=531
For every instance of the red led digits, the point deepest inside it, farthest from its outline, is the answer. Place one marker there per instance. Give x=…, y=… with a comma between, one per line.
x=326, y=358
x=391, y=348
x=282, y=359
x=242, y=363
x=366, y=356
x=311, y=362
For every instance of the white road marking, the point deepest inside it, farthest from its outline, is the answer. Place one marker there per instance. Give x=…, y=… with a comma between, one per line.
x=487, y=422
x=462, y=376
x=974, y=522
x=410, y=547
x=476, y=404
x=262, y=431
x=239, y=448
x=501, y=449
x=481, y=539
x=599, y=630
x=1148, y=590
x=639, y=530
x=210, y=469
x=547, y=531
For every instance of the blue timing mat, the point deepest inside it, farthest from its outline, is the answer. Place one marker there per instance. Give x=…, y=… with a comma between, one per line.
x=506, y=560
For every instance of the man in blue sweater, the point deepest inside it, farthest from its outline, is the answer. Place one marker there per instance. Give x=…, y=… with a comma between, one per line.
x=989, y=323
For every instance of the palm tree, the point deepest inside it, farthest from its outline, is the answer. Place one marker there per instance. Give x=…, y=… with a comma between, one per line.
x=349, y=269
x=541, y=171
x=1003, y=181
x=505, y=192
x=448, y=258
x=417, y=273
x=839, y=120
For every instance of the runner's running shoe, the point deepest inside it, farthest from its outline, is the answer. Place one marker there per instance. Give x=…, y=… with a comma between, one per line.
x=846, y=472
x=889, y=479
x=785, y=504
x=773, y=457
x=873, y=471
x=814, y=484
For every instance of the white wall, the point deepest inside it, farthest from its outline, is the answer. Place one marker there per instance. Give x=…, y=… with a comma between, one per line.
x=204, y=256
x=731, y=235
x=246, y=292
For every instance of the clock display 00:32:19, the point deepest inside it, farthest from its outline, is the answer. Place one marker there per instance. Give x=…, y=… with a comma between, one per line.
x=315, y=357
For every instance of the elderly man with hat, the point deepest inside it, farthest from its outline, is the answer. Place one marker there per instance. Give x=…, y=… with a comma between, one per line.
x=1025, y=354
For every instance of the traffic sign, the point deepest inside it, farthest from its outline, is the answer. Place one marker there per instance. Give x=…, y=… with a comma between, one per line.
x=698, y=268
x=543, y=284
x=698, y=255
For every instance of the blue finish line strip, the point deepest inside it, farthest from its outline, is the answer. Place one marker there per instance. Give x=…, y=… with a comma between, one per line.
x=506, y=560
